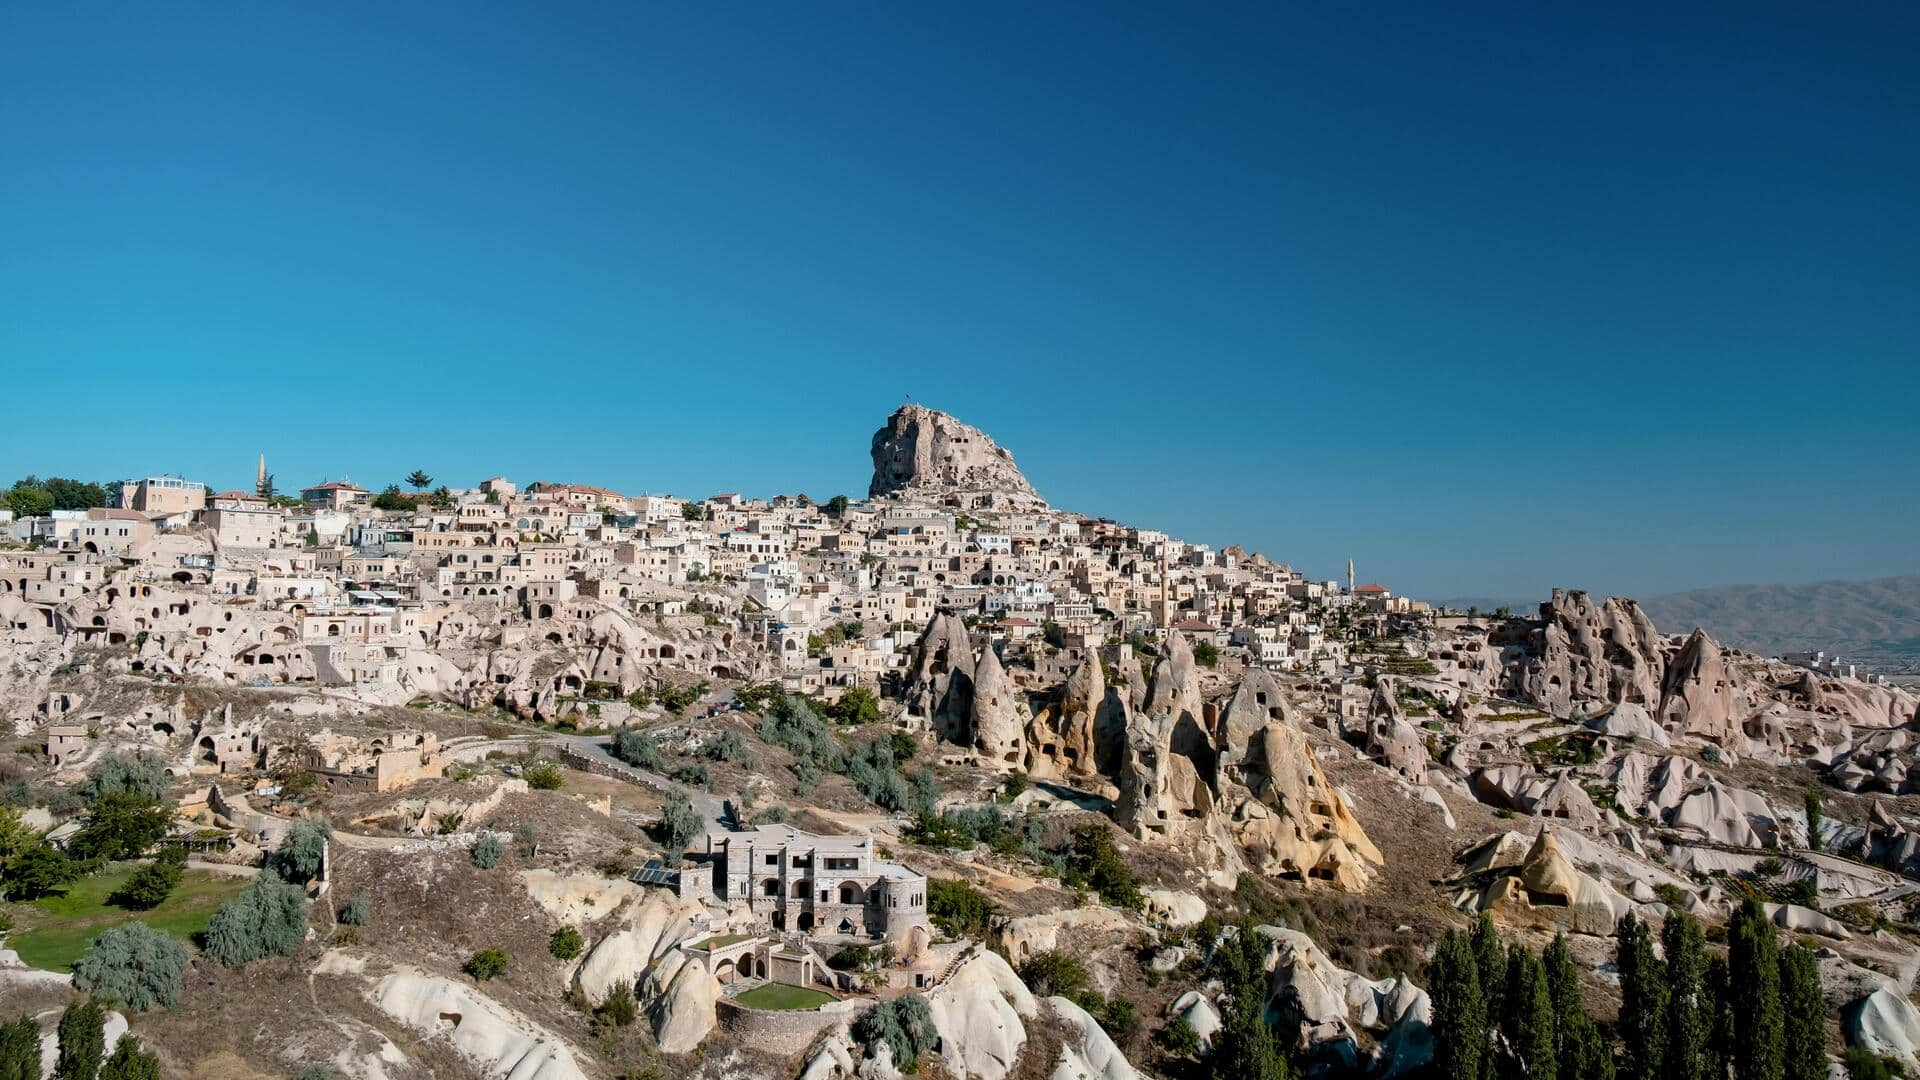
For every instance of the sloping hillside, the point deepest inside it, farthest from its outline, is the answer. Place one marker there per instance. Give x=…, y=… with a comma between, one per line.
x=1875, y=621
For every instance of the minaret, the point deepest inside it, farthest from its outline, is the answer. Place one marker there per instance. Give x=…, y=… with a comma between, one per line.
x=1349, y=577
x=260, y=475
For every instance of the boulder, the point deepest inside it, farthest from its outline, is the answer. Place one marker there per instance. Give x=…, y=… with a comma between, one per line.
x=1885, y=1022
x=1089, y=1052
x=979, y=1012
x=499, y=1041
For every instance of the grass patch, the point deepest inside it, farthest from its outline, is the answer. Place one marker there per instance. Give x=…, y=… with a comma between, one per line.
x=783, y=996
x=721, y=941
x=54, y=931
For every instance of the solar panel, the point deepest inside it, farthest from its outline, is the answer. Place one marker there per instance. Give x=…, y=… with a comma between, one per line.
x=655, y=875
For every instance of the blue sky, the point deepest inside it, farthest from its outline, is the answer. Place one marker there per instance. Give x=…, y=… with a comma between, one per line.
x=1489, y=299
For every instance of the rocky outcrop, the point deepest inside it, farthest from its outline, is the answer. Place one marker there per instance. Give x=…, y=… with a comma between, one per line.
x=1587, y=652
x=980, y=1012
x=1697, y=697
x=677, y=995
x=498, y=1040
x=1886, y=1023
x=1543, y=888
x=1288, y=819
x=1022, y=936
x=940, y=679
x=924, y=452
x=1066, y=737
x=1328, y=1008
x=998, y=718
x=1089, y=1052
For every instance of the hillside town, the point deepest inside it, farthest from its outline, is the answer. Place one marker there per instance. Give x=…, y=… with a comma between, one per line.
x=826, y=787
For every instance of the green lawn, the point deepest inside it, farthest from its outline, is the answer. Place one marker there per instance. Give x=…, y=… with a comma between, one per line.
x=721, y=941
x=54, y=931
x=783, y=996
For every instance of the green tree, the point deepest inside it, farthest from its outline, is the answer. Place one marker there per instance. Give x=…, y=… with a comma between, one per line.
x=904, y=1024
x=83, y=1041
x=269, y=919
x=302, y=852
x=1720, y=1040
x=858, y=705
x=419, y=480
x=679, y=824
x=837, y=506
x=1245, y=1047
x=958, y=908
x=1528, y=1017
x=28, y=502
x=135, y=965
x=1753, y=981
x=1804, y=1039
x=1490, y=964
x=1814, y=818
x=131, y=1061
x=1689, y=1049
x=20, y=1049
x=1054, y=973
x=486, y=964
x=1460, y=1027
x=392, y=498
x=1643, y=1005
x=127, y=774
x=120, y=825
x=40, y=870
x=149, y=886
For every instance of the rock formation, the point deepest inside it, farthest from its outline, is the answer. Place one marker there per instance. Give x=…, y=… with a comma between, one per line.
x=927, y=453
x=1328, y=1007
x=979, y=1011
x=998, y=716
x=676, y=994
x=497, y=1039
x=940, y=679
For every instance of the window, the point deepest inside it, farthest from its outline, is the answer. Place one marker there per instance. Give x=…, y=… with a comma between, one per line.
x=773, y=860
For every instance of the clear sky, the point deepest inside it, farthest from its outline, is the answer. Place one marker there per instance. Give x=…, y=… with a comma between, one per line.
x=1488, y=298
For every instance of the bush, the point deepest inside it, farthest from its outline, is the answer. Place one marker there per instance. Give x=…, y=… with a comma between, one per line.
x=358, y=910
x=142, y=775
x=566, y=943
x=1864, y=1064
x=619, y=1010
x=1054, y=973
x=1179, y=1038
x=1095, y=859
x=486, y=964
x=958, y=908
x=730, y=747
x=695, y=775
x=149, y=886
x=679, y=824
x=487, y=851
x=134, y=964
x=269, y=919
x=83, y=1041
x=542, y=776
x=858, y=705
x=790, y=723
x=131, y=1061
x=638, y=751
x=905, y=1024
x=40, y=870
x=302, y=852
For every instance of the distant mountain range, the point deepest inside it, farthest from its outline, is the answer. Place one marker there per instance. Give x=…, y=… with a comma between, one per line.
x=1873, y=623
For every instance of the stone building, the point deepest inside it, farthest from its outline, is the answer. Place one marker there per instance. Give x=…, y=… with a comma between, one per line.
x=819, y=884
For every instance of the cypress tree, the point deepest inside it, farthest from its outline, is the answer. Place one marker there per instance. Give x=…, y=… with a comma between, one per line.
x=1459, y=1010
x=1720, y=995
x=1804, y=1044
x=83, y=1042
x=1490, y=962
x=1563, y=985
x=1690, y=1012
x=1753, y=982
x=1527, y=1019
x=20, y=1050
x=1643, y=1002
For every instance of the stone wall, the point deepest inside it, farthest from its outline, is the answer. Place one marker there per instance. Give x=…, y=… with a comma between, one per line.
x=785, y=1031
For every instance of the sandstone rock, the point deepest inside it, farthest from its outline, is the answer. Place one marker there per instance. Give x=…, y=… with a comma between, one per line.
x=1695, y=696
x=924, y=452
x=1290, y=820
x=676, y=994
x=1063, y=739
x=1583, y=652
x=1200, y=1014
x=1885, y=1022
x=998, y=718
x=499, y=1041
x=940, y=680
x=1090, y=1053
x=578, y=898
x=979, y=1012
x=1329, y=1007
x=1173, y=908
x=1024, y=935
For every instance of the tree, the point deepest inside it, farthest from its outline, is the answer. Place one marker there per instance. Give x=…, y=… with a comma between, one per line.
x=679, y=824
x=637, y=750
x=127, y=774
x=419, y=480
x=1720, y=1041
x=358, y=910
x=1459, y=1009
x=269, y=919
x=1490, y=965
x=1814, y=818
x=83, y=1041
x=131, y=1061
x=302, y=852
x=1206, y=653
x=487, y=851
x=149, y=886
x=486, y=964
x=264, y=488
x=16, y=836
x=1245, y=1047
x=958, y=908
x=1054, y=974
x=858, y=705
x=1643, y=1005
x=28, y=502
x=391, y=498
x=1528, y=1020
x=542, y=776
x=120, y=825
x=837, y=506
x=904, y=1024
x=1689, y=1049
x=1753, y=983
x=566, y=943
x=134, y=964
x=20, y=1049
x=619, y=1009
x=1804, y=1049
x=441, y=498
x=40, y=870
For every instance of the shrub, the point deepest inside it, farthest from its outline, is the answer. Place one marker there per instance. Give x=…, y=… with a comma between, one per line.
x=486, y=964
x=1054, y=973
x=269, y=919
x=134, y=964
x=40, y=870
x=487, y=851
x=638, y=751
x=302, y=852
x=131, y=1061
x=127, y=774
x=728, y=746
x=619, y=1010
x=905, y=1024
x=957, y=907
x=566, y=943
x=149, y=886
x=858, y=705
x=1095, y=858
x=83, y=1041
x=679, y=824
x=358, y=910
x=542, y=776
x=1179, y=1038
x=695, y=775
x=790, y=723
